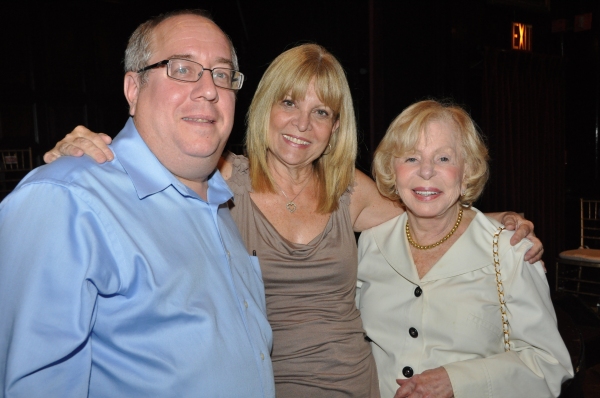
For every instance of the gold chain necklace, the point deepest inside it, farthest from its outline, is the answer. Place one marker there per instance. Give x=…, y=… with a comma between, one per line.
x=439, y=242
x=290, y=205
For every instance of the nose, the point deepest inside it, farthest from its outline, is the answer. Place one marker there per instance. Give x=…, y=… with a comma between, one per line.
x=205, y=88
x=302, y=121
x=427, y=170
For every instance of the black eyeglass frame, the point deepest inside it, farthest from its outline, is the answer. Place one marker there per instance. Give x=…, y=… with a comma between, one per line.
x=166, y=62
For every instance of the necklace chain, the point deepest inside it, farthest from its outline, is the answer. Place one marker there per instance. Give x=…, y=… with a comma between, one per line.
x=439, y=242
x=290, y=205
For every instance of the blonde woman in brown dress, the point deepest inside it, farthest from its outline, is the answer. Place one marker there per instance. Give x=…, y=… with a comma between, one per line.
x=298, y=201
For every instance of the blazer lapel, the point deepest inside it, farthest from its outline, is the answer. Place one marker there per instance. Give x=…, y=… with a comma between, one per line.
x=393, y=245
x=472, y=251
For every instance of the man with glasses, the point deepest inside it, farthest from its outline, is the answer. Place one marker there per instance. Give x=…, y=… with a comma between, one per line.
x=130, y=278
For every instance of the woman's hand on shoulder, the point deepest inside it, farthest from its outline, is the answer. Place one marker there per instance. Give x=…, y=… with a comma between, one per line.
x=79, y=142
x=367, y=207
x=434, y=383
x=523, y=229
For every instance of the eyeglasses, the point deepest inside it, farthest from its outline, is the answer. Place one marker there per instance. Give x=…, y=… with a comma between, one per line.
x=189, y=71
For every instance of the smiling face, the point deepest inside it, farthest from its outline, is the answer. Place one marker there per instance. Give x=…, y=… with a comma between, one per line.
x=300, y=129
x=430, y=178
x=186, y=125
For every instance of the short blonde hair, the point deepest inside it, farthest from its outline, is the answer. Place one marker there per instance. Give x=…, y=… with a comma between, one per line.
x=403, y=135
x=291, y=74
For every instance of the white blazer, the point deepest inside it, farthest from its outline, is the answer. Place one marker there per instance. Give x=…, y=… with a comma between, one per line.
x=451, y=317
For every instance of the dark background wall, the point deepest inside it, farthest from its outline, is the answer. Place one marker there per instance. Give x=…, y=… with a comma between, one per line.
x=62, y=66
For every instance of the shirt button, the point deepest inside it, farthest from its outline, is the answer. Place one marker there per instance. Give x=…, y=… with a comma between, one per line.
x=245, y=304
x=262, y=356
x=413, y=333
x=418, y=291
x=407, y=372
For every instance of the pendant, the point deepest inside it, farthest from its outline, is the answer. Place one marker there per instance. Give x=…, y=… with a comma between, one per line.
x=291, y=206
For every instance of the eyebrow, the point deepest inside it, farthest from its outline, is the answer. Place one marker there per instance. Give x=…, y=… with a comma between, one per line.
x=219, y=60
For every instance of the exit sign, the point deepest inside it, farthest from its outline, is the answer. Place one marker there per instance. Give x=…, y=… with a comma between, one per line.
x=521, y=36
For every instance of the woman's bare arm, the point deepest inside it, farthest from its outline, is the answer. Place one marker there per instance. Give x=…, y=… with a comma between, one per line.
x=368, y=208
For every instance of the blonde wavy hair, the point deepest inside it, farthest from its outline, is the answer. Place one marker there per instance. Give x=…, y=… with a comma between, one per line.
x=291, y=74
x=403, y=135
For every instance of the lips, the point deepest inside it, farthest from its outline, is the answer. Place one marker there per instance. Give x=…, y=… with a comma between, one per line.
x=427, y=193
x=198, y=119
x=295, y=140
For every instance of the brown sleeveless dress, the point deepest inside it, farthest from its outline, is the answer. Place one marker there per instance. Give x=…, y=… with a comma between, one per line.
x=319, y=347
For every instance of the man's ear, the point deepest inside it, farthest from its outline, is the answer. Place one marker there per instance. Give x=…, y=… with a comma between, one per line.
x=131, y=87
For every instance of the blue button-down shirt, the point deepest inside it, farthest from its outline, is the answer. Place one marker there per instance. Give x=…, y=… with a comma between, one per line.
x=117, y=280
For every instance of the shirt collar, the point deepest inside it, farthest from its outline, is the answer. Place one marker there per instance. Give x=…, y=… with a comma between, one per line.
x=473, y=250
x=149, y=176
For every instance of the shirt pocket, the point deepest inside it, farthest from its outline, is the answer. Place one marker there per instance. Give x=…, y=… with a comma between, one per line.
x=256, y=267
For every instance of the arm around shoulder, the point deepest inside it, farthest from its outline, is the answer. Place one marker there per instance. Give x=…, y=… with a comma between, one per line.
x=368, y=207
x=82, y=141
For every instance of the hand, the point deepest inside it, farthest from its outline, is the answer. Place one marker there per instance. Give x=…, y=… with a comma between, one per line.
x=523, y=229
x=82, y=141
x=433, y=383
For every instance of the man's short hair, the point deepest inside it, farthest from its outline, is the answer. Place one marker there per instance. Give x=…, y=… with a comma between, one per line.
x=139, y=48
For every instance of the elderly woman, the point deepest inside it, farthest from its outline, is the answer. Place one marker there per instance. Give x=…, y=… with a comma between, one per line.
x=297, y=202
x=429, y=280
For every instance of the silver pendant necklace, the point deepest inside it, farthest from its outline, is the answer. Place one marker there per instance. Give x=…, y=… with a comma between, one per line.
x=290, y=205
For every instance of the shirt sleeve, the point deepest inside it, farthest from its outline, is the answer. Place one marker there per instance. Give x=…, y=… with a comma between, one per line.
x=52, y=252
x=538, y=362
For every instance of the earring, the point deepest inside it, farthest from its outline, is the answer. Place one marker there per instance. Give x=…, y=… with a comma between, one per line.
x=328, y=150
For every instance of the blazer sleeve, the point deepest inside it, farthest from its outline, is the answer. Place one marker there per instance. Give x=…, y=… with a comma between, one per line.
x=538, y=362
x=364, y=242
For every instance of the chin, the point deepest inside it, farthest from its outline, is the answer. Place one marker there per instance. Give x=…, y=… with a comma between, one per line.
x=426, y=210
x=201, y=152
